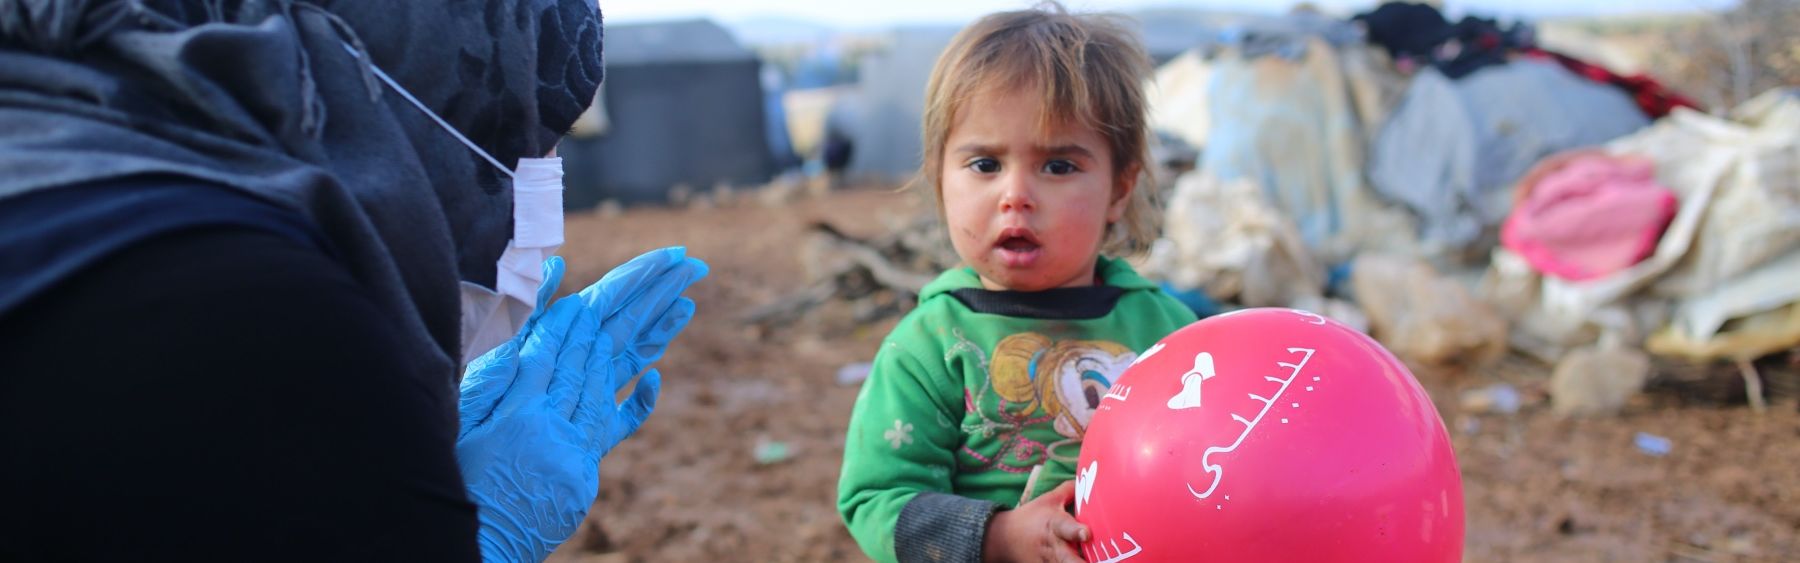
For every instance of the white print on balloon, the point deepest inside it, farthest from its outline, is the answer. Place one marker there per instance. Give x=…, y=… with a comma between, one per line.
x=1189, y=396
x=1218, y=472
x=1096, y=551
x=1147, y=353
x=1120, y=392
x=1084, y=485
x=1311, y=317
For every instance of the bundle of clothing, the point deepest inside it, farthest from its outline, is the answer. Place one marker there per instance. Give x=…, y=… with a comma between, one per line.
x=1418, y=35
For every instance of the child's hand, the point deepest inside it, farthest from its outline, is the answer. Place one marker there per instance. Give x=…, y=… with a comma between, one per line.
x=1038, y=531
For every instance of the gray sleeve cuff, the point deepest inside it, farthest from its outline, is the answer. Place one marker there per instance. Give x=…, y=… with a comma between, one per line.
x=941, y=528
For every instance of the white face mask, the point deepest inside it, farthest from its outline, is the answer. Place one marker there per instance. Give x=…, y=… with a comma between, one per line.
x=491, y=316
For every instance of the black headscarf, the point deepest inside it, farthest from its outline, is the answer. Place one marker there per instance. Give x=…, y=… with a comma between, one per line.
x=264, y=96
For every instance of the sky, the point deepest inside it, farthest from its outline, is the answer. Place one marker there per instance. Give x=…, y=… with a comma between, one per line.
x=879, y=13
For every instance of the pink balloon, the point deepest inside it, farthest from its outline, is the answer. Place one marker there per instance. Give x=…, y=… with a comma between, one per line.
x=1268, y=435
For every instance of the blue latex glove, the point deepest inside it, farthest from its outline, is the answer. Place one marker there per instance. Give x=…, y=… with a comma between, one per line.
x=539, y=411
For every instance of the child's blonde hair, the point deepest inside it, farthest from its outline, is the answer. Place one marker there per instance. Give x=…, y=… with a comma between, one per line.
x=1090, y=70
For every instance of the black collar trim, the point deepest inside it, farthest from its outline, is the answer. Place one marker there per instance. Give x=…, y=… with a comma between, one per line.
x=1062, y=304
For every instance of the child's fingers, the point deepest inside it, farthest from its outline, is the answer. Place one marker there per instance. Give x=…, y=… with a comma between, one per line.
x=1064, y=552
x=1068, y=530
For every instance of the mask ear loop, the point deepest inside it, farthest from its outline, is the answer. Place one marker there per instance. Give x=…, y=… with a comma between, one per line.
x=428, y=113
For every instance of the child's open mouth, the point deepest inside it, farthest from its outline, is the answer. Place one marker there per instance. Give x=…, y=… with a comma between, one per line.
x=1018, y=248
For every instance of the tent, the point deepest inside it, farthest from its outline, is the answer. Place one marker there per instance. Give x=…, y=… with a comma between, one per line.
x=1177, y=96
x=889, y=105
x=684, y=106
x=1298, y=129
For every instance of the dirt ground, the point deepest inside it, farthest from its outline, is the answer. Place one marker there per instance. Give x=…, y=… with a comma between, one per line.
x=688, y=486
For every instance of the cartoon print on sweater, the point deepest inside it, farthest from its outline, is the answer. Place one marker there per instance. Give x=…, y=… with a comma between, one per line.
x=1037, y=380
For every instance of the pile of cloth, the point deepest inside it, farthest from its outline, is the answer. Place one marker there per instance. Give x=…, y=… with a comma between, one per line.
x=1395, y=131
x=1733, y=237
x=1453, y=149
x=1682, y=239
x=1381, y=136
x=1418, y=36
x=1486, y=104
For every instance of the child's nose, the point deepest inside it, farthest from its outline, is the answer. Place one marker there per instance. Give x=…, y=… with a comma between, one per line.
x=1016, y=195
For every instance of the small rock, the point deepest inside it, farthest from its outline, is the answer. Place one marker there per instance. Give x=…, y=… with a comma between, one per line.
x=1566, y=526
x=1597, y=381
x=1499, y=398
x=1652, y=444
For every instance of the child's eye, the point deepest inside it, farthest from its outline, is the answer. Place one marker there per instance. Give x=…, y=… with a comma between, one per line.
x=1060, y=167
x=985, y=165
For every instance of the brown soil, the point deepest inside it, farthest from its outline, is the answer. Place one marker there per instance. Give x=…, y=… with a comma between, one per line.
x=687, y=487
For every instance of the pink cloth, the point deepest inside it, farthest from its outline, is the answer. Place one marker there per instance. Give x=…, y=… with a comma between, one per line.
x=1594, y=215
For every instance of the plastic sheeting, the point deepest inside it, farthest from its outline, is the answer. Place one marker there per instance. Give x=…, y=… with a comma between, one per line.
x=1224, y=239
x=1178, y=98
x=1762, y=309
x=1298, y=129
x=1425, y=317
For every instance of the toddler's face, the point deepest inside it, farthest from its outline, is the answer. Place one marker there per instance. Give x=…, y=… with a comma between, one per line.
x=1027, y=208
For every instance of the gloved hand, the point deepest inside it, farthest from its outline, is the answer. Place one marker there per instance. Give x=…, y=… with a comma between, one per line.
x=539, y=411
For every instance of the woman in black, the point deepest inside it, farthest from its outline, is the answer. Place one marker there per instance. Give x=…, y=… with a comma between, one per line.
x=230, y=264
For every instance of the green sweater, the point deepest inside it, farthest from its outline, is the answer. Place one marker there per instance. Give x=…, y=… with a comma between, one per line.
x=974, y=389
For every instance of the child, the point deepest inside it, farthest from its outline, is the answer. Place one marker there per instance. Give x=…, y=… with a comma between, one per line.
x=1035, y=136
